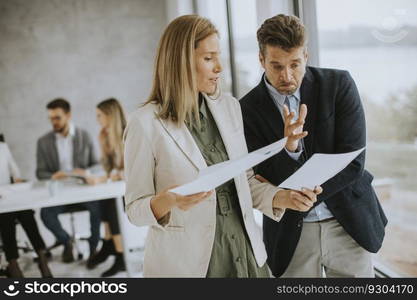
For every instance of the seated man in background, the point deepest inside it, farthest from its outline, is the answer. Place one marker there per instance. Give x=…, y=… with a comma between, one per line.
x=9, y=172
x=64, y=151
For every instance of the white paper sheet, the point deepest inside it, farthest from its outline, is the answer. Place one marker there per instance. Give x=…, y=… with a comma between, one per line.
x=215, y=175
x=318, y=169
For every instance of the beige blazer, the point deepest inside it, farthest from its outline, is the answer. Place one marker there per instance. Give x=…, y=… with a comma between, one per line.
x=158, y=154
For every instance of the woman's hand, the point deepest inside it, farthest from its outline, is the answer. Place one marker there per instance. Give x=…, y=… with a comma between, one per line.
x=92, y=180
x=79, y=172
x=163, y=202
x=116, y=176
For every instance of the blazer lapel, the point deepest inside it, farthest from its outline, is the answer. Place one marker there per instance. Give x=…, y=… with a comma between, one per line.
x=309, y=96
x=219, y=113
x=185, y=141
x=269, y=112
x=54, y=152
x=75, y=148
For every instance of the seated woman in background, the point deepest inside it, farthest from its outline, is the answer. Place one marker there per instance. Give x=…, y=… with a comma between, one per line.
x=9, y=173
x=112, y=120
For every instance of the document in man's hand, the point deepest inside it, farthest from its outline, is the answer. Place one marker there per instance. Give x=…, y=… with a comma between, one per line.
x=318, y=169
x=215, y=175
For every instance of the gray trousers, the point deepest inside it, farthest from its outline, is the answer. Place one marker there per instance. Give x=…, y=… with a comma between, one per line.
x=326, y=250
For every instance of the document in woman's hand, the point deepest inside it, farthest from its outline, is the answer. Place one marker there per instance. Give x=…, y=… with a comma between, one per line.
x=215, y=175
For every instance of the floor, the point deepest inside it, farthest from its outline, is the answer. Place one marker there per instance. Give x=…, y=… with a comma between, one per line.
x=78, y=268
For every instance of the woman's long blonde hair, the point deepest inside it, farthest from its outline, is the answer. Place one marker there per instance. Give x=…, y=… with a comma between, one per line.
x=174, y=83
x=111, y=138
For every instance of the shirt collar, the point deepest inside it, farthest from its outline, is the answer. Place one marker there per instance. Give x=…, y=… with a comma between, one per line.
x=72, y=129
x=280, y=98
x=203, y=106
x=202, y=110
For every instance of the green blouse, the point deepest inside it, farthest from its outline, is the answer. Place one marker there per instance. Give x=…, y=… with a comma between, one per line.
x=232, y=254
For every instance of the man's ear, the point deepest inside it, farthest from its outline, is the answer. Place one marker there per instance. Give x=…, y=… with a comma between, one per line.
x=305, y=54
x=262, y=59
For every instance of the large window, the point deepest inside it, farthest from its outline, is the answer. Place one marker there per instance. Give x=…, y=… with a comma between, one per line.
x=243, y=15
x=237, y=23
x=216, y=11
x=376, y=41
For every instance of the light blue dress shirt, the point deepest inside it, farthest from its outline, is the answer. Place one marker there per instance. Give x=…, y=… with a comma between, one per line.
x=320, y=212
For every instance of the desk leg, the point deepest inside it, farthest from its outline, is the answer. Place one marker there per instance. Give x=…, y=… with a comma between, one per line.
x=121, y=216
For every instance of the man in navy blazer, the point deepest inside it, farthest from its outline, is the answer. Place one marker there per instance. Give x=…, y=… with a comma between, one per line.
x=323, y=110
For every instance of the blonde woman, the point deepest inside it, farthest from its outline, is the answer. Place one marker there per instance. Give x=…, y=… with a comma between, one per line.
x=185, y=125
x=112, y=120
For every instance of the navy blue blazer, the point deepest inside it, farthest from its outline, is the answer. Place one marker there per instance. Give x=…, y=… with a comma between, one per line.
x=336, y=124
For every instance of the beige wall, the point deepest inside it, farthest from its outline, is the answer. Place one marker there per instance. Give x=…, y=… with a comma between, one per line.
x=82, y=50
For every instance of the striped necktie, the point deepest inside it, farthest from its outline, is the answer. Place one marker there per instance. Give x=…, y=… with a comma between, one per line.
x=291, y=102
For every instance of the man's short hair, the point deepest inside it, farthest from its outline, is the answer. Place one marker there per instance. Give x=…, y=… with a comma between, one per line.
x=282, y=31
x=59, y=103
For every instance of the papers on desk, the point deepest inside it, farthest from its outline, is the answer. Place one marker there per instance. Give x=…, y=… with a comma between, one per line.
x=213, y=176
x=318, y=169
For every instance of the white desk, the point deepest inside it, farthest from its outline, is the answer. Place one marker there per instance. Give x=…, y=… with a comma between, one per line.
x=38, y=197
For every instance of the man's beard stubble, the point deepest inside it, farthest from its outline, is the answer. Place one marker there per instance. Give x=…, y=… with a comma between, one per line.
x=60, y=130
